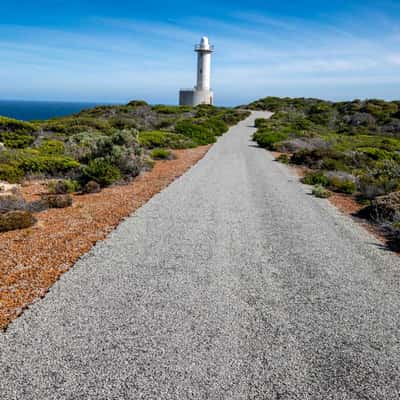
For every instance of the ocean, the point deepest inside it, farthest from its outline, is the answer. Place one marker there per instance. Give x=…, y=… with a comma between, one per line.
x=39, y=110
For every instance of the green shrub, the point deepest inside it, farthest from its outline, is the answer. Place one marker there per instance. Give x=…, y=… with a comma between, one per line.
x=321, y=192
x=341, y=182
x=63, y=186
x=315, y=178
x=260, y=122
x=16, y=126
x=86, y=146
x=216, y=126
x=10, y=173
x=268, y=139
x=160, y=154
x=232, y=117
x=101, y=171
x=283, y=158
x=331, y=164
x=342, y=186
x=377, y=154
x=154, y=139
x=123, y=123
x=53, y=147
x=16, y=140
x=200, y=134
x=48, y=164
x=163, y=109
x=382, y=179
x=137, y=103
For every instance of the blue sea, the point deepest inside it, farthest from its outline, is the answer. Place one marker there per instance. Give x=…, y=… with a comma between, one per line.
x=39, y=110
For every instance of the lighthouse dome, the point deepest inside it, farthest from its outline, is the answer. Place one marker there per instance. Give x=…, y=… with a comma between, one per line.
x=204, y=41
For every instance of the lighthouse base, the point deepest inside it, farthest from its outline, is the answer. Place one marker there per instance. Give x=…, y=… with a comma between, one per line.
x=193, y=97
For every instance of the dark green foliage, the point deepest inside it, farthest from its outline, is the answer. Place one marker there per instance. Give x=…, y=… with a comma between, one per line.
x=101, y=171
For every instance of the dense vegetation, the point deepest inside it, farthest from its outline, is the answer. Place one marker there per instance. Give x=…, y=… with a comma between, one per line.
x=349, y=147
x=107, y=143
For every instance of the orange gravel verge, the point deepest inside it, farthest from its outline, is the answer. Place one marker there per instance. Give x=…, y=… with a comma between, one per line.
x=33, y=259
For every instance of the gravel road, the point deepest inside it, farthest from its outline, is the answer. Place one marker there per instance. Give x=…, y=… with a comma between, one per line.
x=233, y=283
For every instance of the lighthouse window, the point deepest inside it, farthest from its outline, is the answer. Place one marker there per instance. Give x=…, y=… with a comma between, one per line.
x=201, y=70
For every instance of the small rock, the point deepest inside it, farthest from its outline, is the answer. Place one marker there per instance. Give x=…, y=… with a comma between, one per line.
x=13, y=220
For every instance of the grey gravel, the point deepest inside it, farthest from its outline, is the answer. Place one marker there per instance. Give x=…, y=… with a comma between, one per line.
x=232, y=283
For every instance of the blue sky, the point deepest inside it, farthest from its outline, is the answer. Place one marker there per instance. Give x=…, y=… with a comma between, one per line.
x=119, y=50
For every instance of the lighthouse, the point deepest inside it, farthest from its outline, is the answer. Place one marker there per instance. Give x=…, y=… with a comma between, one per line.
x=202, y=93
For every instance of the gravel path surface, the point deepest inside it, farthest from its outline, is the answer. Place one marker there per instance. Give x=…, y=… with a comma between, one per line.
x=233, y=283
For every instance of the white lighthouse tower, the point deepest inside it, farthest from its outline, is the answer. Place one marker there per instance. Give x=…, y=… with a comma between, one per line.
x=202, y=93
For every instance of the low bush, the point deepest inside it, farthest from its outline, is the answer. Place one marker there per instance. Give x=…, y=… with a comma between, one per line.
x=160, y=154
x=52, y=147
x=101, y=171
x=283, y=158
x=380, y=180
x=260, y=123
x=321, y=192
x=341, y=182
x=91, y=187
x=268, y=139
x=47, y=164
x=199, y=133
x=14, y=140
x=16, y=126
x=154, y=139
x=57, y=200
x=315, y=178
x=163, y=109
x=11, y=202
x=63, y=186
x=11, y=173
x=18, y=219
